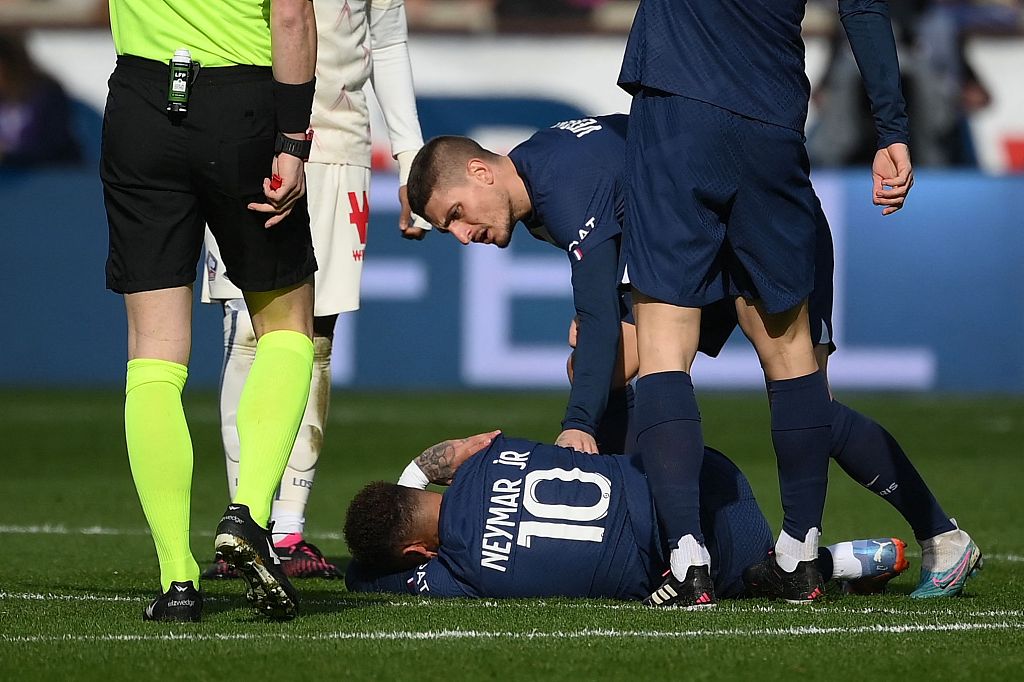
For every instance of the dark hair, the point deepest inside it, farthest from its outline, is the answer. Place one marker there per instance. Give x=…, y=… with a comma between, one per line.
x=379, y=523
x=440, y=163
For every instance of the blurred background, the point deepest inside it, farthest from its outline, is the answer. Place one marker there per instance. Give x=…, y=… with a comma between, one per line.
x=928, y=299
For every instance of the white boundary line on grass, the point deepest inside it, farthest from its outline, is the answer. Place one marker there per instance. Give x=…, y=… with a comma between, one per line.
x=730, y=607
x=60, y=529
x=796, y=631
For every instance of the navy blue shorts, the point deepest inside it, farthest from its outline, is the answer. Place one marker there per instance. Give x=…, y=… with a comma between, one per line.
x=716, y=205
x=718, y=319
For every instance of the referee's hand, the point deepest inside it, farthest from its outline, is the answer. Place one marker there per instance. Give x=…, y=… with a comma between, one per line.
x=293, y=185
x=892, y=177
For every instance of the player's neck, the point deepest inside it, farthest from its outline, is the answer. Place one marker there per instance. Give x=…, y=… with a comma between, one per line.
x=517, y=192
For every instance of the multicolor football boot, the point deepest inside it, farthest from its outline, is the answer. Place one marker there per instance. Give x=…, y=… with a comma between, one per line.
x=949, y=582
x=881, y=560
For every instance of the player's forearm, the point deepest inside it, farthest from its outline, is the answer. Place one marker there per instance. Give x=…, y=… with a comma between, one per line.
x=593, y=367
x=293, y=40
x=293, y=46
x=869, y=30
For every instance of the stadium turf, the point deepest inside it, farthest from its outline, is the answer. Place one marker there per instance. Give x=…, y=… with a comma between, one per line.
x=78, y=567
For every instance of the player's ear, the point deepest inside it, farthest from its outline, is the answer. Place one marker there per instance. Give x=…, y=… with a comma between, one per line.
x=418, y=550
x=480, y=170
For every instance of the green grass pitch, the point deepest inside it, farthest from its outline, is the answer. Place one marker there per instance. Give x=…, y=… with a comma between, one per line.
x=78, y=567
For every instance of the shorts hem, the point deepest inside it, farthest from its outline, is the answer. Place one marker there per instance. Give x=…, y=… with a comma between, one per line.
x=138, y=287
x=283, y=282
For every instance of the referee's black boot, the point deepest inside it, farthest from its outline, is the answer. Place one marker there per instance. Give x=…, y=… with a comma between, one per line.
x=249, y=548
x=182, y=602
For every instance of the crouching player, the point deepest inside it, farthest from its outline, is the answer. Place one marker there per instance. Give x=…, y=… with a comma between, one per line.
x=525, y=519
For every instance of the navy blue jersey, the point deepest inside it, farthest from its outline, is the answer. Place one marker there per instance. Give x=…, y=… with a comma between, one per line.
x=524, y=519
x=573, y=174
x=519, y=507
x=747, y=56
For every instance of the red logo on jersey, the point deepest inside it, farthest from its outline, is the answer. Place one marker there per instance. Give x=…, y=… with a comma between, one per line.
x=359, y=217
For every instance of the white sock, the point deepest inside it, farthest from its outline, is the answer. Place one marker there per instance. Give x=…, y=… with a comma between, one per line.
x=789, y=551
x=941, y=552
x=845, y=565
x=239, y=352
x=688, y=552
x=288, y=513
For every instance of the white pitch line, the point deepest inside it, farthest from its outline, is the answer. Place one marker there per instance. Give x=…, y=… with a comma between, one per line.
x=730, y=607
x=796, y=631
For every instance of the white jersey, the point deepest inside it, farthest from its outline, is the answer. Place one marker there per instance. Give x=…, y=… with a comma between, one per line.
x=361, y=41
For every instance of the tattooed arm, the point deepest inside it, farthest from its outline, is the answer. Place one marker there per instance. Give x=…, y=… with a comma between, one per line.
x=438, y=463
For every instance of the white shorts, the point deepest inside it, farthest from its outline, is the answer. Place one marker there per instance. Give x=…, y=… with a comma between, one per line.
x=339, y=213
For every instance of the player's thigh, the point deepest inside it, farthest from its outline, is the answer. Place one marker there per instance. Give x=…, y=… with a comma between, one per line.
x=153, y=216
x=678, y=188
x=667, y=335
x=339, y=216
x=772, y=228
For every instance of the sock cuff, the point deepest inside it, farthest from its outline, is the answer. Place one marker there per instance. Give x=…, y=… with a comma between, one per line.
x=151, y=370
x=286, y=339
x=800, y=403
x=665, y=397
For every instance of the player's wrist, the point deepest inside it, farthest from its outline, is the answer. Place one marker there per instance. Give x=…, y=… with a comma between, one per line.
x=579, y=426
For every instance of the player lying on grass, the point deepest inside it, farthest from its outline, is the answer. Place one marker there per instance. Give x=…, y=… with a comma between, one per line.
x=526, y=519
x=565, y=184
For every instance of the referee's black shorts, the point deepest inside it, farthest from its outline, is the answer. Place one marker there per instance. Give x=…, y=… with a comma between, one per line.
x=164, y=179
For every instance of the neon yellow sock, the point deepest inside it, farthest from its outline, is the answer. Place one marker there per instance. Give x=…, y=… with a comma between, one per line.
x=160, y=453
x=269, y=413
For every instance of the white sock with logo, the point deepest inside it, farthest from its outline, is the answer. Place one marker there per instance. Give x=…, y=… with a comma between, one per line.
x=845, y=564
x=688, y=552
x=940, y=553
x=288, y=513
x=789, y=551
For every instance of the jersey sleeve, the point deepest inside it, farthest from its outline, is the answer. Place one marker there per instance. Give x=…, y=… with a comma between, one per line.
x=596, y=299
x=392, y=81
x=436, y=579
x=869, y=30
x=359, y=579
x=432, y=579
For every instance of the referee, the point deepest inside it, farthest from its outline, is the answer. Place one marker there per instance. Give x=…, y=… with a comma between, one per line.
x=206, y=122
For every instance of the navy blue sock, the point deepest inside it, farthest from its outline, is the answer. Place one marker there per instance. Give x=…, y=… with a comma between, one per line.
x=873, y=458
x=671, y=445
x=800, y=434
x=614, y=425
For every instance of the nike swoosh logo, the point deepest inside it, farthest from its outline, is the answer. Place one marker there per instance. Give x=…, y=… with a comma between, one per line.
x=872, y=482
x=955, y=573
x=273, y=554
